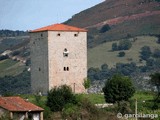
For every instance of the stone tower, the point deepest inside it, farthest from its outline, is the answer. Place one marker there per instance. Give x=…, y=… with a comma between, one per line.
x=58, y=57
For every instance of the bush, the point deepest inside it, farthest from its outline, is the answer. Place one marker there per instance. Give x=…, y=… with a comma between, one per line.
x=58, y=97
x=124, y=107
x=3, y=57
x=145, y=52
x=121, y=54
x=114, y=47
x=156, y=53
x=87, y=83
x=28, y=62
x=105, y=28
x=124, y=45
x=15, y=53
x=71, y=111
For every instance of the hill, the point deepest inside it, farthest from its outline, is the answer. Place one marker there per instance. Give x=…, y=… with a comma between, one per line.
x=103, y=53
x=14, y=52
x=127, y=18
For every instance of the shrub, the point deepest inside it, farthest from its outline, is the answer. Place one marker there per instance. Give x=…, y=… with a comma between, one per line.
x=145, y=52
x=105, y=28
x=15, y=53
x=156, y=53
x=58, y=97
x=71, y=111
x=121, y=54
x=124, y=107
x=114, y=47
x=3, y=57
x=86, y=83
x=124, y=45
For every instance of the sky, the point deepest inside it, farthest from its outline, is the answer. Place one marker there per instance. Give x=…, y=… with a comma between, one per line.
x=33, y=14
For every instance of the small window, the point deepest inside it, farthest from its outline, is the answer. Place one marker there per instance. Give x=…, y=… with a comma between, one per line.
x=75, y=35
x=41, y=35
x=33, y=42
x=67, y=68
x=64, y=68
x=58, y=34
x=39, y=69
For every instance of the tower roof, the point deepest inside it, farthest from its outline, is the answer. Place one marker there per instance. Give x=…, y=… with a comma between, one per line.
x=59, y=27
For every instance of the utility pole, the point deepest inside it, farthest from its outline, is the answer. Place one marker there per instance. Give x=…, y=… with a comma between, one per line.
x=136, y=109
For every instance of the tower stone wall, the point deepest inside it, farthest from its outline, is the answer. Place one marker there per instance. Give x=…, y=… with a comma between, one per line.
x=58, y=58
x=39, y=62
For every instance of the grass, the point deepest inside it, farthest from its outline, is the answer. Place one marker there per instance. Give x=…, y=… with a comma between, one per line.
x=141, y=96
x=99, y=98
x=6, y=63
x=102, y=54
x=94, y=98
x=10, y=67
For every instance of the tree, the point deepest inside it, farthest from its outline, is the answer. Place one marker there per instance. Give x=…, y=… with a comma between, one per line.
x=15, y=53
x=104, y=67
x=86, y=83
x=145, y=52
x=93, y=73
x=58, y=97
x=121, y=54
x=157, y=0
x=118, y=88
x=114, y=47
x=3, y=57
x=156, y=53
x=158, y=41
x=124, y=45
x=155, y=81
x=105, y=28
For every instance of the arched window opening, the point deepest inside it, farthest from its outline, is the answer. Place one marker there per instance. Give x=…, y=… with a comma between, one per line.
x=65, y=52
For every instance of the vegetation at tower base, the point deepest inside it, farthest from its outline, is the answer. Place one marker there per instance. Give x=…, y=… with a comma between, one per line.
x=58, y=97
x=87, y=83
x=118, y=88
x=72, y=106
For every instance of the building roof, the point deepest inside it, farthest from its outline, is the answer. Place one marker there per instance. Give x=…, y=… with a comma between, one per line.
x=17, y=104
x=59, y=27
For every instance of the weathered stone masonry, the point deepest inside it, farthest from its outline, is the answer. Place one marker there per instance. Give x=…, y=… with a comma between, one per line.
x=58, y=57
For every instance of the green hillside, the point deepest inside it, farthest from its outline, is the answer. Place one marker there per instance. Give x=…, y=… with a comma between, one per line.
x=103, y=53
x=126, y=18
x=10, y=67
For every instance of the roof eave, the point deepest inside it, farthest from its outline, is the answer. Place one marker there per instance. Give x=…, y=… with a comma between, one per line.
x=59, y=30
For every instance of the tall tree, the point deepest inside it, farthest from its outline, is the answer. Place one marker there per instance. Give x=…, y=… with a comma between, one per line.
x=155, y=81
x=118, y=88
x=145, y=52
